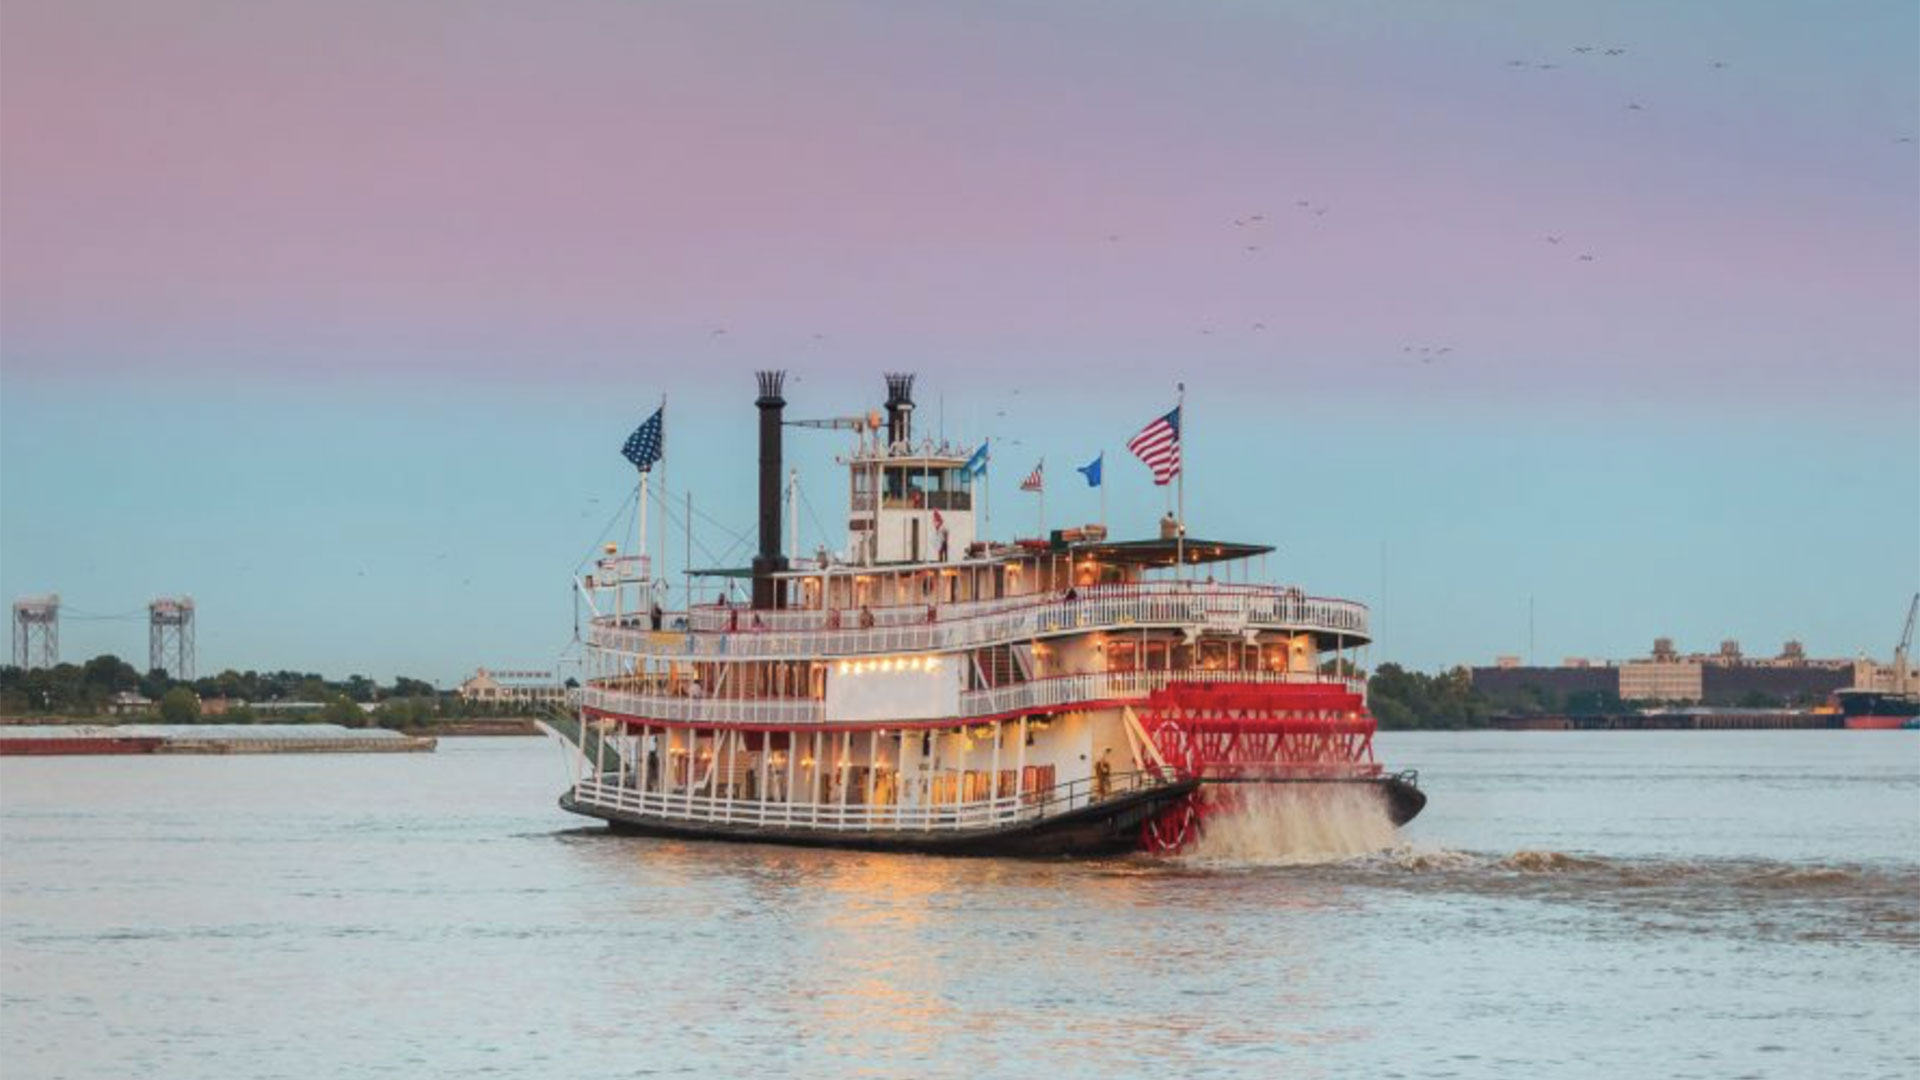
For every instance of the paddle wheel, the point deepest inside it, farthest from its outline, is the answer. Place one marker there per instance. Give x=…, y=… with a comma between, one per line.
x=1242, y=733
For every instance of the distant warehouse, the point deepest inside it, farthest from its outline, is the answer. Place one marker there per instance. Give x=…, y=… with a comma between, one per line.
x=501, y=686
x=1725, y=677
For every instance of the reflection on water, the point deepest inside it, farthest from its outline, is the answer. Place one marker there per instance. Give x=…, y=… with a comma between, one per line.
x=1683, y=907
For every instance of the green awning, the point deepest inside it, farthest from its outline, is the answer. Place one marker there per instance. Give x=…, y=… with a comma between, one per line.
x=1164, y=552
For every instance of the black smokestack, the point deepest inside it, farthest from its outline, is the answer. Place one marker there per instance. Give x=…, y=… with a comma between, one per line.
x=766, y=591
x=899, y=408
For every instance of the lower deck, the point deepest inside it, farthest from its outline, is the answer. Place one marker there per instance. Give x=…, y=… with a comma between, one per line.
x=1091, y=817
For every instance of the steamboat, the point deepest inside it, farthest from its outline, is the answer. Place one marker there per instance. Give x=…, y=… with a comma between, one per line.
x=930, y=689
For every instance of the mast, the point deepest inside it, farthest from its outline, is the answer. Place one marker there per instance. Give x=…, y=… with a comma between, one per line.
x=793, y=519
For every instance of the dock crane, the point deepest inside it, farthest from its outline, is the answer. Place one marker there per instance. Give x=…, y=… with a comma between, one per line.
x=1906, y=643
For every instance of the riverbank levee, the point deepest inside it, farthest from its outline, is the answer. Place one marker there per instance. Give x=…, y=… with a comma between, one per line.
x=45, y=740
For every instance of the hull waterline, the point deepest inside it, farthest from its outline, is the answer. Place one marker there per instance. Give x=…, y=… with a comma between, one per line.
x=1108, y=827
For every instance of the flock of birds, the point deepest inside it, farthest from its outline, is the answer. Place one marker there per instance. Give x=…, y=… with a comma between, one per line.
x=1251, y=226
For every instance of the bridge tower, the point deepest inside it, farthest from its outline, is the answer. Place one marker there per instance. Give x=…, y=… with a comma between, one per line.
x=170, y=636
x=36, y=631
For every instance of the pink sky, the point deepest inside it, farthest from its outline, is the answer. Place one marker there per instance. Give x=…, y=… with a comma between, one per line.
x=515, y=190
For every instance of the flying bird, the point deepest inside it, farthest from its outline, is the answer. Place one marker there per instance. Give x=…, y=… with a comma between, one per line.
x=1583, y=48
x=1553, y=239
x=1616, y=51
x=1586, y=257
x=1634, y=106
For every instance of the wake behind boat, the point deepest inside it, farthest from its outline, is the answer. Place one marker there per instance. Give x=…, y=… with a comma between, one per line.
x=929, y=689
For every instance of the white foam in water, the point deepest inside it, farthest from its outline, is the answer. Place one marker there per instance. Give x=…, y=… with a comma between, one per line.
x=1296, y=824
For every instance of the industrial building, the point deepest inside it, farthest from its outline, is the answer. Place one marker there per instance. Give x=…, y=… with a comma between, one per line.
x=1723, y=677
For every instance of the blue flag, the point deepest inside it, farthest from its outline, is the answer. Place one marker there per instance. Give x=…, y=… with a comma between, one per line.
x=1091, y=470
x=976, y=464
x=644, y=445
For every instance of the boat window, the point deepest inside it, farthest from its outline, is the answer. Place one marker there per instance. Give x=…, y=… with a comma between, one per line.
x=907, y=487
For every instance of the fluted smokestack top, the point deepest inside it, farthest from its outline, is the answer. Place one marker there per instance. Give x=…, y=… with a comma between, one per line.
x=770, y=385
x=899, y=407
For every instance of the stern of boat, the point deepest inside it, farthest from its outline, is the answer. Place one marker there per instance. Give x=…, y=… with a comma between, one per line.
x=1241, y=739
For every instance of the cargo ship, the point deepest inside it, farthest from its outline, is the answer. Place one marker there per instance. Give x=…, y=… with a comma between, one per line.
x=930, y=689
x=1874, y=710
x=1867, y=709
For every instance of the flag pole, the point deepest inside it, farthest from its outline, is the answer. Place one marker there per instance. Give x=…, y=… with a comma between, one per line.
x=1043, y=498
x=1102, y=459
x=620, y=584
x=1180, y=536
x=658, y=571
x=986, y=505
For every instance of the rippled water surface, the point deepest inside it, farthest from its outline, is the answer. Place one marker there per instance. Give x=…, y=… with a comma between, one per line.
x=1726, y=904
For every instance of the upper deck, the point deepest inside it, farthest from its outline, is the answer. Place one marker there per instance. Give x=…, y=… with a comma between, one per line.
x=722, y=632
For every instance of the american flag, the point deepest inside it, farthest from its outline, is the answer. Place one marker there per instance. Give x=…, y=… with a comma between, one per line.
x=643, y=446
x=1034, y=481
x=1158, y=444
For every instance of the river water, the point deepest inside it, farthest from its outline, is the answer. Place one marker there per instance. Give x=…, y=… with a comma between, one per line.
x=1726, y=904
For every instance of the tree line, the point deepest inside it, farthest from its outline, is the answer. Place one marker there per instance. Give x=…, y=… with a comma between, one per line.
x=1400, y=699
x=86, y=690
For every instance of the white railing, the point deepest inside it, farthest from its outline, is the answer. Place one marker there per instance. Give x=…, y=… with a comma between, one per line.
x=683, y=709
x=808, y=634
x=868, y=817
x=1061, y=690
x=1052, y=692
x=766, y=813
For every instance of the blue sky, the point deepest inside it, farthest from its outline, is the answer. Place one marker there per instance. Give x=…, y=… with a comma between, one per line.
x=417, y=529
x=334, y=315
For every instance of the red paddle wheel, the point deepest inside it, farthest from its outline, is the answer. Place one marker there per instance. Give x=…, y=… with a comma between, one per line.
x=1250, y=732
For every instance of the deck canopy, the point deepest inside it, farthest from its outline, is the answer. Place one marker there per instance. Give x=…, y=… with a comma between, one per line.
x=1151, y=553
